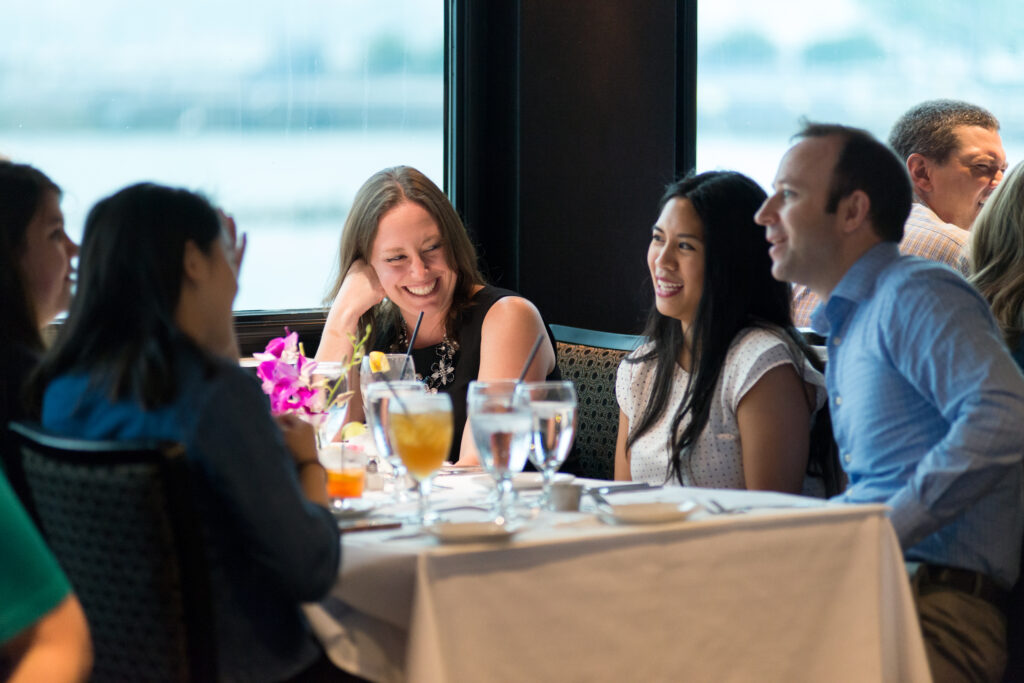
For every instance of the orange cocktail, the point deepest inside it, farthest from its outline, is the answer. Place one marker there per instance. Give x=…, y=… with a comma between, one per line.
x=346, y=483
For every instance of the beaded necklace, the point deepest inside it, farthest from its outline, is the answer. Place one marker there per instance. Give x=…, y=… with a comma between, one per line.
x=442, y=372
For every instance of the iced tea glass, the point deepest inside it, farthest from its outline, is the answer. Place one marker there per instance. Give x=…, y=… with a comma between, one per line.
x=420, y=428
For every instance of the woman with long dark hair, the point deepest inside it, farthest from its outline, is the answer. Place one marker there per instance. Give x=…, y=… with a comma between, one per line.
x=43, y=632
x=148, y=351
x=725, y=390
x=35, y=275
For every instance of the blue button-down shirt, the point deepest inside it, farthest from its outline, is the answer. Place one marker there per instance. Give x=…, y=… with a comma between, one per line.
x=928, y=410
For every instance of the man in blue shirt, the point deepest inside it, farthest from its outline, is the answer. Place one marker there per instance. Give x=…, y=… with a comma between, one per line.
x=927, y=405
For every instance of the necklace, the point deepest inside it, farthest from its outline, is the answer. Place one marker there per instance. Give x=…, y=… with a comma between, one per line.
x=442, y=372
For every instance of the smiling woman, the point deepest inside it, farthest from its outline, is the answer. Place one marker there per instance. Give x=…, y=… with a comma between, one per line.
x=35, y=275
x=724, y=393
x=404, y=251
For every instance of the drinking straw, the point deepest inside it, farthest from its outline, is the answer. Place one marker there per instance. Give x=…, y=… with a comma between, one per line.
x=408, y=352
x=529, y=360
x=405, y=363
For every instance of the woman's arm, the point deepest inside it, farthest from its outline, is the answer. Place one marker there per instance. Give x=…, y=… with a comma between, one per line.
x=55, y=648
x=774, y=421
x=622, y=472
x=300, y=439
x=509, y=331
x=360, y=291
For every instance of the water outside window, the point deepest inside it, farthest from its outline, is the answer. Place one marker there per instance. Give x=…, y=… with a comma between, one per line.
x=277, y=111
x=763, y=65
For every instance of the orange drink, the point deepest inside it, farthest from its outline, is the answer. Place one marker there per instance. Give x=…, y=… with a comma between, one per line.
x=346, y=470
x=347, y=483
x=422, y=440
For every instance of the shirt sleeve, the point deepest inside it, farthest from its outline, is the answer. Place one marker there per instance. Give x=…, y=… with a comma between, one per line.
x=947, y=345
x=31, y=581
x=757, y=352
x=625, y=383
x=295, y=539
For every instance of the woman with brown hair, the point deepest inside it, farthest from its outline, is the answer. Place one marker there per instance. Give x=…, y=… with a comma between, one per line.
x=404, y=251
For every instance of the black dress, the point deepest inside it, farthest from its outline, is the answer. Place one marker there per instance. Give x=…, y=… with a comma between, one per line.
x=453, y=376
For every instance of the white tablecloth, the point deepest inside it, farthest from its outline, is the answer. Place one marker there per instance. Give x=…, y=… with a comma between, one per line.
x=808, y=594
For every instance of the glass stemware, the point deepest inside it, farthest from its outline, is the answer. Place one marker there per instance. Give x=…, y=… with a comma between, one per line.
x=420, y=427
x=377, y=396
x=336, y=413
x=399, y=368
x=501, y=427
x=553, y=411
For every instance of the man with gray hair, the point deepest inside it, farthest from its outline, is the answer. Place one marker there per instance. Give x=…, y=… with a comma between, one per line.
x=955, y=159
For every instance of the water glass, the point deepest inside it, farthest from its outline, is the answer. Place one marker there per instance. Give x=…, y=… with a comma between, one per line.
x=553, y=410
x=502, y=427
x=335, y=415
x=400, y=368
x=377, y=396
x=420, y=429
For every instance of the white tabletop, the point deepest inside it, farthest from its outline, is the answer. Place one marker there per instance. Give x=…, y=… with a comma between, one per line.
x=806, y=593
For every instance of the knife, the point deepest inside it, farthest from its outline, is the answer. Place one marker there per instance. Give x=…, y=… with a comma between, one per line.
x=640, y=486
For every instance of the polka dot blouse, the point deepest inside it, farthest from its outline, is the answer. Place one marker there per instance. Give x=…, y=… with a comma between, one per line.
x=717, y=457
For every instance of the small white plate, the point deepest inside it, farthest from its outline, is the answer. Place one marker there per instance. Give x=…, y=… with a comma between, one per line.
x=527, y=481
x=352, y=508
x=649, y=513
x=471, y=532
x=524, y=481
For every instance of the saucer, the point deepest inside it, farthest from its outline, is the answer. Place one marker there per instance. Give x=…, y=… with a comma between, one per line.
x=648, y=513
x=352, y=508
x=471, y=532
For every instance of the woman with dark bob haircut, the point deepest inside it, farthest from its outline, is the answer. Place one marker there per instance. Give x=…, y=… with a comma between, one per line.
x=404, y=251
x=724, y=392
x=148, y=352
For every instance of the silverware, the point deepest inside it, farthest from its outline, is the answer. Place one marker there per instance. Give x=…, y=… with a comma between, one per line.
x=599, y=500
x=622, y=488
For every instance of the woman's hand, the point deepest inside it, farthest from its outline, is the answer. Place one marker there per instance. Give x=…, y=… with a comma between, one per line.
x=359, y=292
x=234, y=245
x=300, y=439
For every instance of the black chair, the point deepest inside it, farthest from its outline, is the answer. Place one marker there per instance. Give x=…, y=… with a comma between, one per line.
x=121, y=521
x=590, y=359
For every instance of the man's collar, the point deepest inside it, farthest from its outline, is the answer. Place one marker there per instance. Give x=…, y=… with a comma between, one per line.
x=858, y=283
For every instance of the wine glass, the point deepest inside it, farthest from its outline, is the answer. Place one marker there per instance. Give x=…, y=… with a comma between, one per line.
x=420, y=428
x=399, y=368
x=377, y=396
x=501, y=427
x=553, y=410
x=336, y=413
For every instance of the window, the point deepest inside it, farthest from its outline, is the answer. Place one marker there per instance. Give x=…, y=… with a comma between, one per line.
x=276, y=111
x=762, y=66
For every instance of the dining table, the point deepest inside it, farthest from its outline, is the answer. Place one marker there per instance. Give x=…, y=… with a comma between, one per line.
x=734, y=586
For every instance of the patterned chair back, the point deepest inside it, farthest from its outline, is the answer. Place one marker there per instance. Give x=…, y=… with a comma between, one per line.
x=590, y=359
x=121, y=521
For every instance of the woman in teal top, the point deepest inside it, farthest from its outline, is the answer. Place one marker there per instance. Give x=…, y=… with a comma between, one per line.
x=148, y=351
x=43, y=633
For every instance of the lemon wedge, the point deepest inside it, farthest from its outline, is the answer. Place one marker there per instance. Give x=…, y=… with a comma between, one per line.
x=352, y=429
x=379, y=362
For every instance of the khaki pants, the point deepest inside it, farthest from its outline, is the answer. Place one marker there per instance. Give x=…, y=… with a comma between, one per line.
x=964, y=636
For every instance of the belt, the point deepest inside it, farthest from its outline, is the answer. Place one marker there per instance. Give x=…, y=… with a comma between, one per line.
x=933, y=577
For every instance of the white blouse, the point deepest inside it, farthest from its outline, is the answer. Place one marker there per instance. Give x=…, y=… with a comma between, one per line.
x=716, y=459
